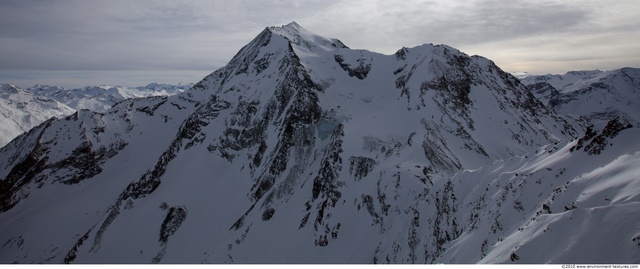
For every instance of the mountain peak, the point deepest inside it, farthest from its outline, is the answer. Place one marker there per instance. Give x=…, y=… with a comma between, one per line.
x=8, y=88
x=293, y=25
x=290, y=29
x=304, y=38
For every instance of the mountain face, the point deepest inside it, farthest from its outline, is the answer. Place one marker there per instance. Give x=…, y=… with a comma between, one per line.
x=594, y=95
x=20, y=111
x=24, y=109
x=302, y=150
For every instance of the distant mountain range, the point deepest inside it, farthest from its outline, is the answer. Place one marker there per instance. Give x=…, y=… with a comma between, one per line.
x=23, y=109
x=302, y=150
x=595, y=95
x=102, y=98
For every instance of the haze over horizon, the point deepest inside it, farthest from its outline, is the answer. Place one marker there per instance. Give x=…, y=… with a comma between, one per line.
x=75, y=43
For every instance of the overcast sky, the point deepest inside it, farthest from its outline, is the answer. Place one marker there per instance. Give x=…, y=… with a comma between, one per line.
x=76, y=43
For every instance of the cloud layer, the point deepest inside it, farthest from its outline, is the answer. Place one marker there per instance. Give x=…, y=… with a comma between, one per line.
x=163, y=35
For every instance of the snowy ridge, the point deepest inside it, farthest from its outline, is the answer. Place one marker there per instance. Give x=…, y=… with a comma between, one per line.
x=101, y=98
x=24, y=109
x=560, y=81
x=560, y=193
x=302, y=38
x=520, y=75
x=301, y=150
x=595, y=95
x=21, y=110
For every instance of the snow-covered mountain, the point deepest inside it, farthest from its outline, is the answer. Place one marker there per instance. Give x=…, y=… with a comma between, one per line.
x=101, y=98
x=560, y=81
x=594, y=95
x=24, y=109
x=302, y=150
x=21, y=110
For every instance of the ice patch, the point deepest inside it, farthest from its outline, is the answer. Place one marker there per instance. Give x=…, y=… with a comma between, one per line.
x=326, y=126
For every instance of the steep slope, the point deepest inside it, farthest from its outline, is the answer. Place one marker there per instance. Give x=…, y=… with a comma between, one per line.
x=595, y=95
x=21, y=111
x=300, y=150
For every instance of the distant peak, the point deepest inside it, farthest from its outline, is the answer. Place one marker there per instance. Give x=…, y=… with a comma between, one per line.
x=583, y=72
x=9, y=88
x=520, y=74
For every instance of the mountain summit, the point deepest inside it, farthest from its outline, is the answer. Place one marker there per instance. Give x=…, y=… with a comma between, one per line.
x=302, y=150
x=304, y=39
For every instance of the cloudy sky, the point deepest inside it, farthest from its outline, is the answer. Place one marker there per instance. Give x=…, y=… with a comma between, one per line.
x=121, y=42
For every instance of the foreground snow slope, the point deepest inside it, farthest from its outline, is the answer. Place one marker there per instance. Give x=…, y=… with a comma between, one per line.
x=563, y=203
x=302, y=150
